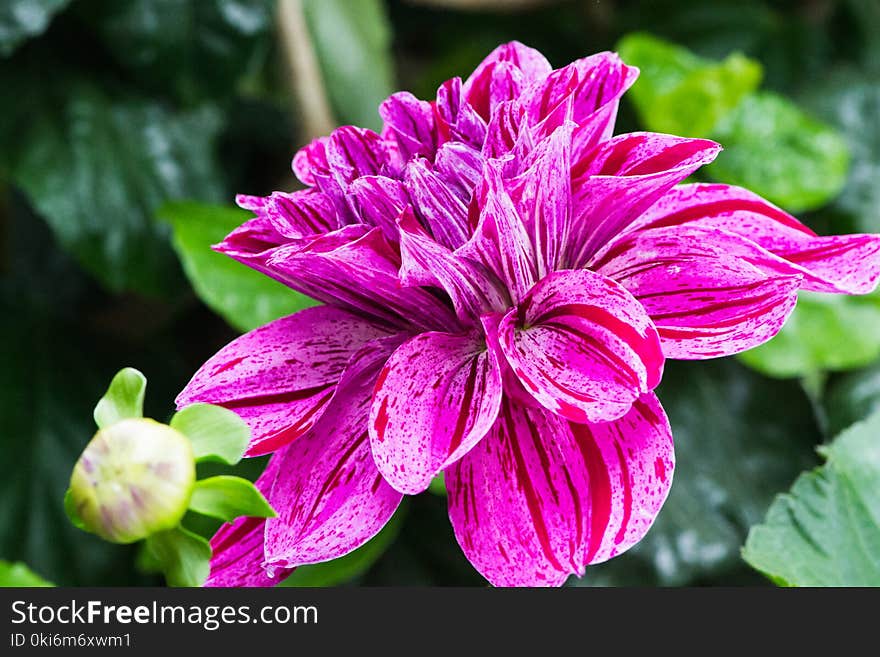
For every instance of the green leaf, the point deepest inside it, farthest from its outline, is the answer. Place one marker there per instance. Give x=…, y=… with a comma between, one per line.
x=18, y=575
x=825, y=333
x=852, y=397
x=96, y=167
x=216, y=433
x=774, y=149
x=23, y=19
x=352, y=565
x=438, y=486
x=739, y=440
x=680, y=93
x=185, y=557
x=197, y=48
x=352, y=41
x=123, y=399
x=228, y=498
x=826, y=530
x=243, y=297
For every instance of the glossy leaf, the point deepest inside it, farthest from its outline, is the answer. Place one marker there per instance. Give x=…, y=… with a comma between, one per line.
x=216, y=433
x=851, y=397
x=24, y=19
x=243, y=297
x=352, y=42
x=826, y=530
x=19, y=575
x=123, y=399
x=774, y=149
x=96, y=168
x=678, y=92
x=183, y=555
x=228, y=498
x=825, y=332
x=198, y=48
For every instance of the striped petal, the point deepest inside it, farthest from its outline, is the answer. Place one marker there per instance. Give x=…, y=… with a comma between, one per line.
x=279, y=377
x=436, y=397
x=705, y=299
x=848, y=264
x=582, y=346
x=621, y=178
x=540, y=498
x=329, y=496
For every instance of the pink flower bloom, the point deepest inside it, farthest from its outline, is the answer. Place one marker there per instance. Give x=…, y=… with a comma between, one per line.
x=503, y=280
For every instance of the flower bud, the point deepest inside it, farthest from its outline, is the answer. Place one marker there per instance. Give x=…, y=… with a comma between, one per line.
x=133, y=479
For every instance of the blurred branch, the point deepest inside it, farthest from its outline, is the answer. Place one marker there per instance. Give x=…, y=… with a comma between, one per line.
x=305, y=73
x=482, y=5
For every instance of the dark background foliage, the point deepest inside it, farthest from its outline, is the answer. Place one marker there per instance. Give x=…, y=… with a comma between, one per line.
x=116, y=111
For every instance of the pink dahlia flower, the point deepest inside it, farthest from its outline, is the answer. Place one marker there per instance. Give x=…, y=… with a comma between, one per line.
x=503, y=280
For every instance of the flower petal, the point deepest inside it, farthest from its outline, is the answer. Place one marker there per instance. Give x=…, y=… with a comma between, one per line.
x=456, y=119
x=411, y=122
x=516, y=500
x=502, y=75
x=359, y=274
x=500, y=241
x=293, y=215
x=329, y=496
x=311, y=159
x=442, y=212
x=237, y=548
x=379, y=201
x=473, y=289
x=543, y=197
x=539, y=498
x=594, y=85
x=630, y=463
x=704, y=299
x=460, y=167
x=279, y=377
x=436, y=397
x=848, y=264
x=582, y=346
x=621, y=178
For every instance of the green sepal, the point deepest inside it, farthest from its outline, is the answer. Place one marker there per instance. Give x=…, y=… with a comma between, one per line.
x=216, y=433
x=228, y=498
x=124, y=398
x=185, y=557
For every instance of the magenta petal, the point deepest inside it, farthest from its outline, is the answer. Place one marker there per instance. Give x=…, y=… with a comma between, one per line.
x=359, y=273
x=621, y=178
x=444, y=213
x=848, y=264
x=329, y=496
x=311, y=159
x=436, y=397
x=539, y=498
x=279, y=377
x=380, y=200
x=237, y=548
x=582, y=346
x=502, y=75
x=543, y=197
x=411, y=122
x=460, y=167
x=293, y=215
x=593, y=85
x=630, y=464
x=518, y=501
x=456, y=119
x=704, y=299
x=500, y=241
x=473, y=289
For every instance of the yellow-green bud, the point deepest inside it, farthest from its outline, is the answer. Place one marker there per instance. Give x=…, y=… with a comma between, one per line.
x=134, y=478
